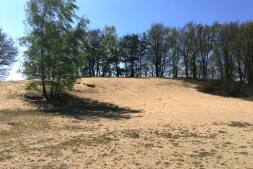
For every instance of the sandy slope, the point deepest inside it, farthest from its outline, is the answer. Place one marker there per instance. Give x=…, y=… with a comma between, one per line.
x=167, y=101
x=166, y=124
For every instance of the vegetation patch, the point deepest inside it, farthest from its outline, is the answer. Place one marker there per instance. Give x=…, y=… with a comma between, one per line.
x=242, y=153
x=89, y=141
x=239, y=124
x=131, y=134
x=186, y=134
x=148, y=145
x=202, y=153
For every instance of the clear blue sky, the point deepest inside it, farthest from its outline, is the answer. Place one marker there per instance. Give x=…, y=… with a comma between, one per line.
x=135, y=16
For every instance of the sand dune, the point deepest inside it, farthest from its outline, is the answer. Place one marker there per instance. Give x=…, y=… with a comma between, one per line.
x=127, y=123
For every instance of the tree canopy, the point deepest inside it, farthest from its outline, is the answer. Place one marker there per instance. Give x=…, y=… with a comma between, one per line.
x=60, y=49
x=53, y=44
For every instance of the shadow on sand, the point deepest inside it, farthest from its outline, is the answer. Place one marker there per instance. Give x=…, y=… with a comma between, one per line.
x=221, y=88
x=81, y=108
x=218, y=88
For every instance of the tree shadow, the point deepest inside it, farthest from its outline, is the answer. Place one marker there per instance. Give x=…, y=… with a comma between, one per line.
x=216, y=88
x=222, y=88
x=81, y=108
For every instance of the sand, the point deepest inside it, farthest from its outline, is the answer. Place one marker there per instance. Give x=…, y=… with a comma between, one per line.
x=127, y=123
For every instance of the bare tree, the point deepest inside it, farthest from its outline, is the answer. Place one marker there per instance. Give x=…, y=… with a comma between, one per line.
x=205, y=39
x=188, y=46
x=174, y=50
x=158, y=42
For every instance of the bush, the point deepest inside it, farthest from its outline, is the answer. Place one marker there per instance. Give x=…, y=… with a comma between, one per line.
x=33, y=91
x=32, y=86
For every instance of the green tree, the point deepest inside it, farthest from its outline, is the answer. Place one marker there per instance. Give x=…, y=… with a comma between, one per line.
x=94, y=51
x=53, y=44
x=111, y=48
x=8, y=53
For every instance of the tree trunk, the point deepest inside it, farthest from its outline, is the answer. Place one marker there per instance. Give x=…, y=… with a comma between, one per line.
x=186, y=71
x=239, y=69
x=117, y=69
x=204, y=70
x=140, y=68
x=44, y=90
x=250, y=78
x=186, y=64
x=227, y=65
x=98, y=73
x=126, y=72
x=156, y=68
x=93, y=65
x=249, y=71
x=175, y=70
x=194, y=68
x=132, y=67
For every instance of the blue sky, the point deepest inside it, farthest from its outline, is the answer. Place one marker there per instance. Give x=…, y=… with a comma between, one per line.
x=134, y=16
x=137, y=15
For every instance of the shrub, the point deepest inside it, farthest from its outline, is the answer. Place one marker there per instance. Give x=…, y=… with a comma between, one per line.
x=33, y=86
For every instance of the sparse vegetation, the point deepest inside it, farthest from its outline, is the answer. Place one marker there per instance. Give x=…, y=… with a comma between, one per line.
x=239, y=124
x=166, y=97
x=132, y=134
x=87, y=132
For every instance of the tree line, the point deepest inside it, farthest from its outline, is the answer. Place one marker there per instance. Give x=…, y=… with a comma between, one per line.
x=60, y=49
x=196, y=51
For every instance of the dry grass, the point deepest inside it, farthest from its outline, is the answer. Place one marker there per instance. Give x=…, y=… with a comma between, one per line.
x=125, y=123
